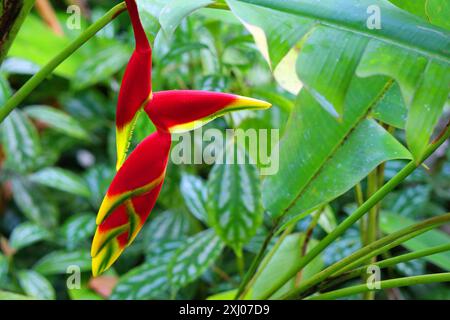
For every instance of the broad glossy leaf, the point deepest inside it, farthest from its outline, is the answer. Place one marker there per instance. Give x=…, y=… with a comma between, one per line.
x=285, y=258
x=34, y=204
x=391, y=222
x=193, y=258
x=275, y=33
x=424, y=84
x=63, y=180
x=176, y=10
x=391, y=109
x=58, y=120
x=148, y=281
x=78, y=229
x=321, y=159
x=27, y=234
x=234, y=200
x=433, y=11
x=21, y=142
x=57, y=262
x=193, y=189
x=35, y=285
x=327, y=63
x=404, y=47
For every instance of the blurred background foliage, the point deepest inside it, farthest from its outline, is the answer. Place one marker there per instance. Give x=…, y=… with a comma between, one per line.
x=58, y=159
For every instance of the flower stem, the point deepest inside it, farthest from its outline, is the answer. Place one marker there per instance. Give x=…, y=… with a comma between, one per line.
x=34, y=81
x=387, y=284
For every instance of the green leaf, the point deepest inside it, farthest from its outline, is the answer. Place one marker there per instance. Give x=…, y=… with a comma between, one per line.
x=194, y=192
x=58, y=120
x=57, y=262
x=62, y=180
x=42, y=49
x=194, y=257
x=35, y=285
x=391, y=222
x=98, y=179
x=4, y=295
x=320, y=159
x=234, y=200
x=424, y=85
x=31, y=200
x=283, y=261
x=27, y=234
x=434, y=11
x=336, y=51
x=274, y=36
x=108, y=59
x=392, y=109
x=176, y=10
x=148, y=281
x=404, y=47
x=78, y=229
x=327, y=219
x=20, y=141
x=167, y=225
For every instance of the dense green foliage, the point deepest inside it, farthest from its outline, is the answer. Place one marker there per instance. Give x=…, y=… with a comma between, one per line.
x=371, y=102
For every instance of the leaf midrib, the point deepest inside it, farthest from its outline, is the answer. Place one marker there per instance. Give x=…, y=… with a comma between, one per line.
x=339, y=144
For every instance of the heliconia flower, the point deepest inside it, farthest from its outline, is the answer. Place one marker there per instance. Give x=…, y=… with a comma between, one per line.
x=129, y=199
x=184, y=110
x=139, y=179
x=136, y=86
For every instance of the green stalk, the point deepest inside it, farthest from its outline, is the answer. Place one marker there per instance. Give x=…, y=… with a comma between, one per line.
x=335, y=280
x=358, y=213
x=34, y=81
x=367, y=258
x=257, y=261
x=372, y=223
x=266, y=260
x=387, y=284
x=406, y=233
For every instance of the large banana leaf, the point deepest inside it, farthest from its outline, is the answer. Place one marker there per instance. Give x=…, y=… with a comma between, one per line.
x=336, y=41
x=321, y=158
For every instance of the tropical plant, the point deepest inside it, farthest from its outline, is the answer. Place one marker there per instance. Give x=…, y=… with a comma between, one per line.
x=359, y=91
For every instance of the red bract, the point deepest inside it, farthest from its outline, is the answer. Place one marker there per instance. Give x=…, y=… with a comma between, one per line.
x=136, y=86
x=136, y=186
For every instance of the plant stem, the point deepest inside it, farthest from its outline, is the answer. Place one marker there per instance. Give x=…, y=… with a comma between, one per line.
x=358, y=213
x=372, y=222
x=362, y=223
x=34, y=81
x=387, y=284
x=257, y=261
x=362, y=254
x=267, y=259
x=340, y=278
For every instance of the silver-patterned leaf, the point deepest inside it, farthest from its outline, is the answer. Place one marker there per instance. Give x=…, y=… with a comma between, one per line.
x=194, y=257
